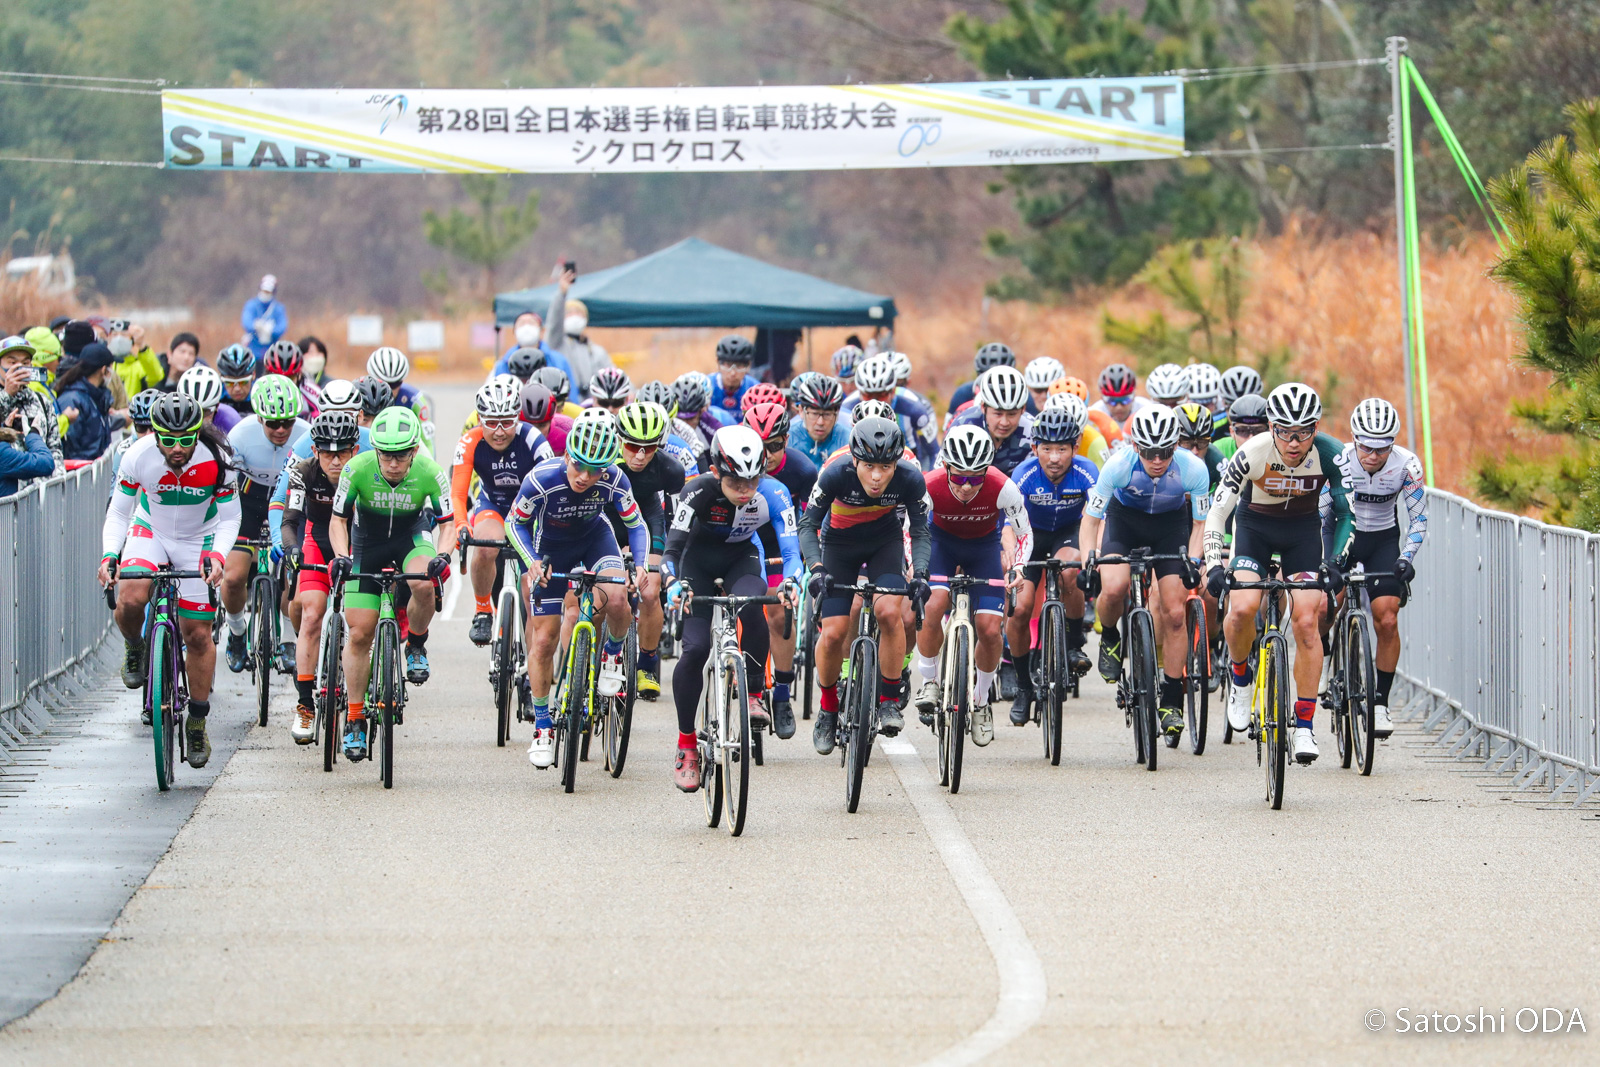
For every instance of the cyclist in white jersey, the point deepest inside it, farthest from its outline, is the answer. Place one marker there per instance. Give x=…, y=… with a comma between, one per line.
x=1379, y=474
x=188, y=514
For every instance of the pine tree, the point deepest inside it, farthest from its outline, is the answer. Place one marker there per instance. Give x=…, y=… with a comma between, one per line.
x=488, y=237
x=1551, y=264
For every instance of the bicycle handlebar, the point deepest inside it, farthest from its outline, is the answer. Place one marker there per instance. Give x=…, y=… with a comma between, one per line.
x=163, y=573
x=1140, y=558
x=865, y=588
x=1050, y=564
x=734, y=603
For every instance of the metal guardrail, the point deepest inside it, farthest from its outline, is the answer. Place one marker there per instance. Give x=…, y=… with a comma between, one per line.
x=52, y=613
x=1500, y=643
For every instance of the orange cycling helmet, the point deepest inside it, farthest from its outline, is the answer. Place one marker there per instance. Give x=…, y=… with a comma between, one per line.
x=1075, y=386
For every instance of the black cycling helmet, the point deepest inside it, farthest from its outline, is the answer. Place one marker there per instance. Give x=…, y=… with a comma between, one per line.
x=139, y=407
x=1248, y=410
x=523, y=362
x=335, y=431
x=236, y=361
x=176, y=413
x=994, y=354
x=736, y=349
x=538, y=403
x=554, y=379
x=875, y=440
x=375, y=394
x=659, y=393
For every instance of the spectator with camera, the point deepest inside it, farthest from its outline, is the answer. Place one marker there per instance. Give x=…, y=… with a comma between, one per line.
x=24, y=408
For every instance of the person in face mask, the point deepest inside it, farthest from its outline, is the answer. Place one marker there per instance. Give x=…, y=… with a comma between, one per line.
x=566, y=328
x=528, y=332
x=264, y=318
x=315, y=354
x=136, y=365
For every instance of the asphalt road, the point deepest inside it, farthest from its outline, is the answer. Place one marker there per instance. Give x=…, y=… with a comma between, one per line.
x=1089, y=912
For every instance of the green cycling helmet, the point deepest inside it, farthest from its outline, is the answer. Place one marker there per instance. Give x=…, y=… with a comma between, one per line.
x=642, y=422
x=275, y=397
x=593, y=439
x=396, y=430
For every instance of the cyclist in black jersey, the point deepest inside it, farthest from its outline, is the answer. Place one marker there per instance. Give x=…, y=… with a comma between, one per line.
x=852, y=525
x=654, y=476
x=797, y=474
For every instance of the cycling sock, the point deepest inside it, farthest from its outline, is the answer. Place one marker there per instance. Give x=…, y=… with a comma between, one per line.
x=541, y=714
x=830, y=697
x=781, y=681
x=1380, y=695
x=483, y=605
x=1171, y=692
x=236, y=623
x=1025, y=671
x=613, y=645
x=687, y=741
x=357, y=711
x=1304, y=709
x=199, y=709
x=1241, y=673
x=889, y=690
x=302, y=685
x=416, y=641
x=1074, y=633
x=649, y=661
x=927, y=667
x=985, y=681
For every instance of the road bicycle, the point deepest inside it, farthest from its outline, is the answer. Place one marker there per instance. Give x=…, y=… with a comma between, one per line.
x=329, y=699
x=858, y=690
x=386, y=684
x=1053, y=679
x=576, y=695
x=508, y=654
x=264, y=631
x=1272, y=703
x=723, y=722
x=958, y=677
x=166, y=676
x=1352, y=678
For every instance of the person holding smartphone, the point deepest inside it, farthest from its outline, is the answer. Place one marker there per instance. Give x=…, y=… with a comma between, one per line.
x=566, y=330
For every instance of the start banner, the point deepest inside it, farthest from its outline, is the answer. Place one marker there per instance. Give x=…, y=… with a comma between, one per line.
x=559, y=131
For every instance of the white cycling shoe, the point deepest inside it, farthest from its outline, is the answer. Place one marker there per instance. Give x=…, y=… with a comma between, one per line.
x=1305, y=745
x=982, y=724
x=611, y=679
x=542, y=753
x=1382, y=724
x=1239, y=697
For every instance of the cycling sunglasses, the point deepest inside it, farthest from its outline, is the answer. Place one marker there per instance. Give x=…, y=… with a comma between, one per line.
x=238, y=381
x=611, y=405
x=177, y=440
x=629, y=446
x=590, y=468
x=499, y=424
x=1247, y=429
x=775, y=445
x=278, y=424
x=967, y=480
x=1293, y=436
x=1194, y=442
x=1156, y=454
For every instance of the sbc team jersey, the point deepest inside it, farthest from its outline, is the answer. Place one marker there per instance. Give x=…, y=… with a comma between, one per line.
x=1258, y=478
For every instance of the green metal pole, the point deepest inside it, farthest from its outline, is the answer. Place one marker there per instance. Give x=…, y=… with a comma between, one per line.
x=1419, y=344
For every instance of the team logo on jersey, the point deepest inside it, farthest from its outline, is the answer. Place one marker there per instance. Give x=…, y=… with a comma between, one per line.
x=1288, y=485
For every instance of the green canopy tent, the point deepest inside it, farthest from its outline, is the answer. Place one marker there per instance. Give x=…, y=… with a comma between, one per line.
x=695, y=283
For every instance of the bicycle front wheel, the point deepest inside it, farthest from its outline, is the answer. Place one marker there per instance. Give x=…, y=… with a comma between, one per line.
x=619, y=709
x=388, y=699
x=262, y=613
x=1142, y=663
x=1276, y=708
x=1359, y=686
x=505, y=664
x=1197, y=676
x=330, y=698
x=160, y=690
x=1052, y=692
x=863, y=698
x=736, y=746
x=960, y=707
x=709, y=738
x=574, y=714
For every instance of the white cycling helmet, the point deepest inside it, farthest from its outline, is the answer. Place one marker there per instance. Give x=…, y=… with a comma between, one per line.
x=1168, y=384
x=902, y=367
x=1240, y=381
x=340, y=395
x=1074, y=407
x=203, y=385
x=736, y=451
x=968, y=449
x=1003, y=388
x=1376, y=420
x=1154, y=427
x=498, y=399
x=875, y=375
x=874, y=409
x=1294, y=404
x=1205, y=383
x=389, y=365
x=1041, y=372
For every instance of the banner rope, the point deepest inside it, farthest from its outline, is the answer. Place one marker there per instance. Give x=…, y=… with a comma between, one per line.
x=83, y=162
x=81, y=88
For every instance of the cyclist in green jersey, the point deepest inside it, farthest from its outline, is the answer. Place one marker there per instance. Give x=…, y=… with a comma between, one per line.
x=395, y=495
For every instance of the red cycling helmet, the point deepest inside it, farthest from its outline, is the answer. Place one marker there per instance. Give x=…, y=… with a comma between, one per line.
x=284, y=358
x=760, y=393
x=538, y=403
x=1117, y=381
x=770, y=421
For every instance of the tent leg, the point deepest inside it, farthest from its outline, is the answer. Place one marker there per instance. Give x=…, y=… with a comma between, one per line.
x=811, y=364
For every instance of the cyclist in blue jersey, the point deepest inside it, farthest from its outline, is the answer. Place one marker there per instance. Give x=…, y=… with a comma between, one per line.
x=875, y=380
x=1156, y=496
x=262, y=445
x=993, y=354
x=819, y=432
x=1055, y=483
x=236, y=366
x=735, y=524
x=1002, y=398
x=557, y=525
x=728, y=385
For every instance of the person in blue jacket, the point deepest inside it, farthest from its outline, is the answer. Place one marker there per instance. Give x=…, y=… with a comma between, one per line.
x=264, y=318
x=734, y=357
x=23, y=455
x=527, y=332
x=85, y=400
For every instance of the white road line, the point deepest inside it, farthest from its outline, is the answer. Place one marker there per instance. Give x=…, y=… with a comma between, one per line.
x=451, y=596
x=1022, y=983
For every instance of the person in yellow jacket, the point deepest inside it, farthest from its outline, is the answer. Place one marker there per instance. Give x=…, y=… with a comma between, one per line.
x=137, y=366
